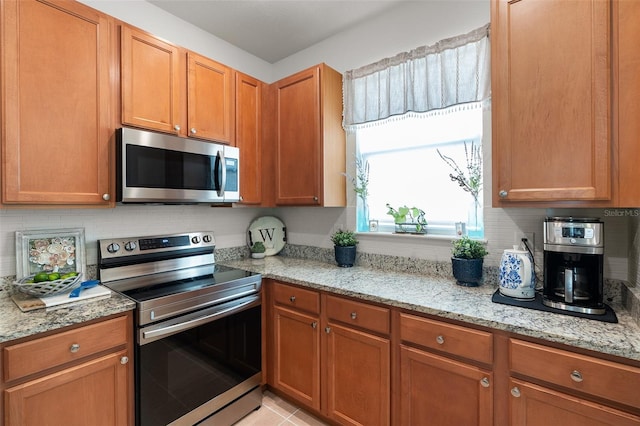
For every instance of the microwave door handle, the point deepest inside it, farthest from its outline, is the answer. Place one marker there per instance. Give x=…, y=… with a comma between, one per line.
x=223, y=173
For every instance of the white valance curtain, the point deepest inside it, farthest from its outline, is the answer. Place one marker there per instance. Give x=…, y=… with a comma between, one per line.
x=453, y=71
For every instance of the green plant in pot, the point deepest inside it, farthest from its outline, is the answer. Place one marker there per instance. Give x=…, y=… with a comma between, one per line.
x=258, y=250
x=344, y=247
x=467, y=261
x=408, y=220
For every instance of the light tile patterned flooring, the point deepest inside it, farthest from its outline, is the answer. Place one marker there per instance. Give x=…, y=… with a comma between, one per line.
x=275, y=411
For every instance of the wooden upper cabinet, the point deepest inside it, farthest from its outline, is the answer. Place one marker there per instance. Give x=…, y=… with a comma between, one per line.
x=248, y=137
x=310, y=141
x=627, y=19
x=210, y=99
x=551, y=97
x=56, y=103
x=151, y=89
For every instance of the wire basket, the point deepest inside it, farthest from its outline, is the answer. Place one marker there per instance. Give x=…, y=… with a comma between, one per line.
x=46, y=288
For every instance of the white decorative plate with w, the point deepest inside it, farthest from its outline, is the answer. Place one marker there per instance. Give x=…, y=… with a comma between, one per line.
x=271, y=231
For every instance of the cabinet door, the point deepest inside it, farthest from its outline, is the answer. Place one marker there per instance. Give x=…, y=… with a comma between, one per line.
x=210, y=99
x=249, y=137
x=150, y=82
x=627, y=19
x=93, y=393
x=56, y=103
x=298, y=140
x=437, y=391
x=357, y=377
x=551, y=100
x=296, y=356
x=533, y=405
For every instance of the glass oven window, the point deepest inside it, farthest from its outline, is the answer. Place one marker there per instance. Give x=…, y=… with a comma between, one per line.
x=181, y=372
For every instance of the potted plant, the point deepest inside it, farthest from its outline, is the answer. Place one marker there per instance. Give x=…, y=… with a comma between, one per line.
x=467, y=260
x=408, y=220
x=258, y=250
x=344, y=247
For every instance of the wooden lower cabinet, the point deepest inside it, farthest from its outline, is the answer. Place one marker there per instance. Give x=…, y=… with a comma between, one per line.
x=296, y=355
x=92, y=393
x=82, y=375
x=534, y=405
x=439, y=391
x=357, y=376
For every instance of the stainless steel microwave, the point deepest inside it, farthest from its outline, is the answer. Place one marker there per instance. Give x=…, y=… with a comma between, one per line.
x=159, y=168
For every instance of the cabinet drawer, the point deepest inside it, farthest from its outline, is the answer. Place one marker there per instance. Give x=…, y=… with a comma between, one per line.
x=373, y=318
x=297, y=297
x=40, y=354
x=604, y=379
x=453, y=339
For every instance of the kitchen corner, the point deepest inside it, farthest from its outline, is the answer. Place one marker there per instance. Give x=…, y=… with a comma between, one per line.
x=437, y=294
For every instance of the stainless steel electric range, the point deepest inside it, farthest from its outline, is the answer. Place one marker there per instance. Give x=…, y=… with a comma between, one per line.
x=198, y=328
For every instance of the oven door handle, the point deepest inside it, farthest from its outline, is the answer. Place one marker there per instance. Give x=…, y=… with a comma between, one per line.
x=225, y=310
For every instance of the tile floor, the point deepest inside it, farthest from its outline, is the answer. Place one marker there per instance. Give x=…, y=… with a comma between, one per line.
x=275, y=411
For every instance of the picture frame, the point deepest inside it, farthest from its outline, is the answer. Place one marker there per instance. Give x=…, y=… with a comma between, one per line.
x=50, y=250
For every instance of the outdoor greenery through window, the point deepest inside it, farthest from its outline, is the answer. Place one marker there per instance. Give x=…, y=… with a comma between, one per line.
x=427, y=165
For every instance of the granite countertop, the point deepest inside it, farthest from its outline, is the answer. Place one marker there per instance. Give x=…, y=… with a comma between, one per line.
x=15, y=324
x=444, y=298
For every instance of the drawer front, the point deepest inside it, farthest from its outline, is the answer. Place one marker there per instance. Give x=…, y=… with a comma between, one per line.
x=452, y=339
x=373, y=318
x=604, y=379
x=40, y=354
x=296, y=297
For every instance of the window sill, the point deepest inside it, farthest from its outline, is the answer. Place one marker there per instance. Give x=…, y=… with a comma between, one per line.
x=409, y=237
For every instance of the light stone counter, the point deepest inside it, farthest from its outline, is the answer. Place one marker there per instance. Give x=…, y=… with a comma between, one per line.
x=15, y=324
x=444, y=298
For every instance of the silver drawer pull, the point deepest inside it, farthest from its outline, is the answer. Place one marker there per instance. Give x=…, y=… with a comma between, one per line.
x=314, y=325
x=440, y=340
x=515, y=392
x=354, y=315
x=576, y=376
x=327, y=330
x=124, y=360
x=74, y=348
x=293, y=299
x=484, y=382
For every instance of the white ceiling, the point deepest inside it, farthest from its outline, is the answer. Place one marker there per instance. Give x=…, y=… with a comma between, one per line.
x=274, y=29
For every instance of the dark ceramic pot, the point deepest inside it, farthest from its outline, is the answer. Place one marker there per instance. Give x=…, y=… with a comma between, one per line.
x=345, y=256
x=467, y=272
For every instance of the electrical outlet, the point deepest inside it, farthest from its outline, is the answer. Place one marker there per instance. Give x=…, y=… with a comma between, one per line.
x=530, y=236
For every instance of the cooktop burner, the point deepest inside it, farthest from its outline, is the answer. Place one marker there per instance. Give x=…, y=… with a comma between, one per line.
x=536, y=304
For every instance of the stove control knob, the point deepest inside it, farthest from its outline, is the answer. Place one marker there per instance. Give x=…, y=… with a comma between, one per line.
x=206, y=238
x=113, y=248
x=195, y=240
x=573, y=241
x=130, y=246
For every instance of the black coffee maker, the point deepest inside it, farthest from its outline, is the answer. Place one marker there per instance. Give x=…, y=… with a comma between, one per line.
x=573, y=264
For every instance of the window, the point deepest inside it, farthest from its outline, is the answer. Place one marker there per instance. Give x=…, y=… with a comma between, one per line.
x=406, y=168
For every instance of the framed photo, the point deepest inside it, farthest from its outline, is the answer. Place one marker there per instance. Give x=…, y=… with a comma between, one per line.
x=56, y=250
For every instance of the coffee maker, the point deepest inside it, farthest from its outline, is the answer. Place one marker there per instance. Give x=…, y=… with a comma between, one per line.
x=573, y=264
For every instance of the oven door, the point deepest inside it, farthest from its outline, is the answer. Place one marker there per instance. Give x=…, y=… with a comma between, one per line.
x=192, y=366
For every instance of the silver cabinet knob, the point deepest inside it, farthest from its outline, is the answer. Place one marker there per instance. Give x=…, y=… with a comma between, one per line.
x=515, y=392
x=193, y=131
x=440, y=340
x=315, y=198
x=241, y=199
x=327, y=330
x=74, y=348
x=106, y=197
x=484, y=382
x=124, y=360
x=354, y=315
x=503, y=194
x=177, y=127
x=292, y=299
x=576, y=376
x=314, y=325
